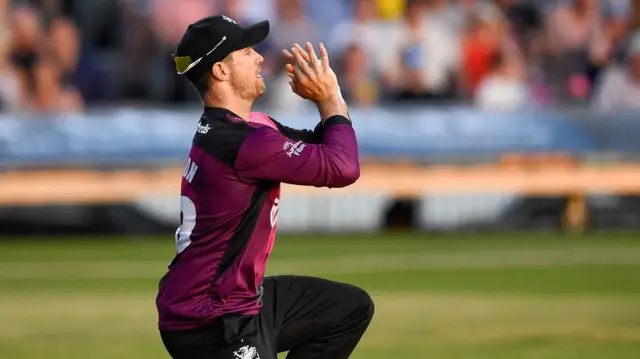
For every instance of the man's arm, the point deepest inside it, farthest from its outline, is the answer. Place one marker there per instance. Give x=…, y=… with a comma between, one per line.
x=336, y=105
x=267, y=154
x=308, y=136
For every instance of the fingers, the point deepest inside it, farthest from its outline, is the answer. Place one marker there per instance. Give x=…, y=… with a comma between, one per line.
x=324, y=57
x=308, y=56
x=315, y=62
x=304, y=54
x=303, y=66
x=297, y=72
x=288, y=56
x=288, y=67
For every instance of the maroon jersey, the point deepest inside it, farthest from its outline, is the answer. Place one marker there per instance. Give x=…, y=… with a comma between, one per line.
x=229, y=208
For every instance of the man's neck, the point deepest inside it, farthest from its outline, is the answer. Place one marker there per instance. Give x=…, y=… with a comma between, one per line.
x=240, y=107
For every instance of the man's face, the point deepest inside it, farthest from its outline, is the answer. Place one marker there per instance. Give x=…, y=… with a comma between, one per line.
x=246, y=80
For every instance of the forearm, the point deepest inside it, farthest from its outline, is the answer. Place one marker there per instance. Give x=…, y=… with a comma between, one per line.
x=332, y=163
x=332, y=107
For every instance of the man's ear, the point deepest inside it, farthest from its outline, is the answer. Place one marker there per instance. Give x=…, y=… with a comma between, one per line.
x=220, y=71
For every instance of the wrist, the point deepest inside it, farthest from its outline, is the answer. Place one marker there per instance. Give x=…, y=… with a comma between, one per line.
x=331, y=100
x=332, y=106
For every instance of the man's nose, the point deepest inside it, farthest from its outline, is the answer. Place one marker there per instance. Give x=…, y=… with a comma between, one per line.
x=259, y=58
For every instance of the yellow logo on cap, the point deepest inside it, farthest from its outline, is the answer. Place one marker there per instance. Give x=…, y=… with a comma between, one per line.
x=182, y=62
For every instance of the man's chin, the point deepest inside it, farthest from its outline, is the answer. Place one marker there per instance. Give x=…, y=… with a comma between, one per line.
x=260, y=91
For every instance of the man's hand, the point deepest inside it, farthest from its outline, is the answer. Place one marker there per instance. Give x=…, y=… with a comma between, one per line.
x=313, y=79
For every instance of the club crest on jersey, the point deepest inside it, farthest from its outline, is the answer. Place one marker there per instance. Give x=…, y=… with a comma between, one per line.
x=203, y=129
x=246, y=352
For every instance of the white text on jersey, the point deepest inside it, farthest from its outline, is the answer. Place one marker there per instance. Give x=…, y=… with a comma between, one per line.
x=189, y=170
x=293, y=148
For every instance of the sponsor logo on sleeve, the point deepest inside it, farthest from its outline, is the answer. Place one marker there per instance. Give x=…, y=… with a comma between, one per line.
x=293, y=148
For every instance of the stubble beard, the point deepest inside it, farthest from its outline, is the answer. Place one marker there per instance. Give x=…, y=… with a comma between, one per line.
x=249, y=92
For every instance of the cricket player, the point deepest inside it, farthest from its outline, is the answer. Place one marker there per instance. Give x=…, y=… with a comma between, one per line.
x=214, y=302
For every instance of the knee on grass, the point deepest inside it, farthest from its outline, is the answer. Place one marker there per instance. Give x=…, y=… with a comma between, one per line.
x=362, y=303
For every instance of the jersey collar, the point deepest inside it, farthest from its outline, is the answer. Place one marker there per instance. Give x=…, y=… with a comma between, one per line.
x=222, y=113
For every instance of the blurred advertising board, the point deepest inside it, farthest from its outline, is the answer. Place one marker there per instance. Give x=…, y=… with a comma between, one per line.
x=125, y=137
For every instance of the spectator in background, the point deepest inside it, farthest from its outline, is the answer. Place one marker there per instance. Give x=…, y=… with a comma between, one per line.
x=635, y=15
x=169, y=19
x=25, y=50
x=480, y=44
x=432, y=49
x=49, y=10
x=607, y=46
x=432, y=10
x=235, y=9
x=10, y=91
x=526, y=21
x=391, y=10
x=79, y=76
x=408, y=71
x=572, y=26
x=359, y=81
x=619, y=87
x=369, y=33
x=364, y=29
x=426, y=58
x=627, y=19
x=504, y=88
x=258, y=10
x=291, y=25
x=55, y=84
x=52, y=95
x=458, y=13
x=142, y=74
x=326, y=14
x=280, y=98
x=572, y=30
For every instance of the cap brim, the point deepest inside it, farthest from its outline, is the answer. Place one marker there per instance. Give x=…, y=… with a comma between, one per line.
x=254, y=34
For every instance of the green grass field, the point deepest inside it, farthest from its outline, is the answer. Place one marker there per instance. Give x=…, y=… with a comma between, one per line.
x=479, y=297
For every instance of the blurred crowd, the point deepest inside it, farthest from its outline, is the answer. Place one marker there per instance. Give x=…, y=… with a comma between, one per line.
x=67, y=55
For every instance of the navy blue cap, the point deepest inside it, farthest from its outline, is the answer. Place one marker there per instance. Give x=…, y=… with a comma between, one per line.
x=211, y=39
